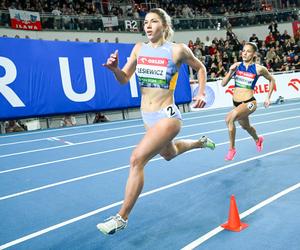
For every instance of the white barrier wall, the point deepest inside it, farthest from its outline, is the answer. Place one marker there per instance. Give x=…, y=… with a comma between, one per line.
x=287, y=85
x=243, y=33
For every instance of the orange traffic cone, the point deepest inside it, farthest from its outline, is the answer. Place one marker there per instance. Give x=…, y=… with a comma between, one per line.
x=234, y=223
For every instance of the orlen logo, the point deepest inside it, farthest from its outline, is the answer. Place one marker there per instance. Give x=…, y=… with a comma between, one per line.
x=293, y=83
x=259, y=89
x=156, y=61
x=263, y=88
x=230, y=89
x=144, y=60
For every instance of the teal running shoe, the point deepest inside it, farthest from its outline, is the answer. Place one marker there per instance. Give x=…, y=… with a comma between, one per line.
x=207, y=143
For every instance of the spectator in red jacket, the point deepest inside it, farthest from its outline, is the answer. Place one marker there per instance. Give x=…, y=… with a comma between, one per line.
x=270, y=40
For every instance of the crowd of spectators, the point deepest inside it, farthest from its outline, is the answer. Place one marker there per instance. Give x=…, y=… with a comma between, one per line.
x=176, y=8
x=277, y=51
x=14, y=126
x=86, y=14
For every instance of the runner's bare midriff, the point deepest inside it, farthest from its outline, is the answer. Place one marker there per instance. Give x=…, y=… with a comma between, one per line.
x=241, y=94
x=154, y=99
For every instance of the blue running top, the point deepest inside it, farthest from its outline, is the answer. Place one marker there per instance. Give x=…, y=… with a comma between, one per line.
x=155, y=67
x=246, y=78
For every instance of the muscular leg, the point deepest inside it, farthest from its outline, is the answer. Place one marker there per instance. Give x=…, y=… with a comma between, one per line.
x=230, y=119
x=239, y=113
x=175, y=148
x=154, y=140
x=246, y=125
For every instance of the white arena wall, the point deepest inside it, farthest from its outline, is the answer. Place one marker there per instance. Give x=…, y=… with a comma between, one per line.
x=287, y=86
x=243, y=33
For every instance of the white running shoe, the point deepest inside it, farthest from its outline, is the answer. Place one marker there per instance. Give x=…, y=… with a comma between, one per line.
x=112, y=224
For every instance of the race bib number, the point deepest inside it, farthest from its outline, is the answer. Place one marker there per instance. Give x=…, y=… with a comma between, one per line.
x=250, y=106
x=171, y=111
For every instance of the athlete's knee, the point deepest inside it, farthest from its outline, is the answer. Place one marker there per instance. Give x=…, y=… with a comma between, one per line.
x=245, y=127
x=230, y=122
x=168, y=155
x=229, y=119
x=136, y=161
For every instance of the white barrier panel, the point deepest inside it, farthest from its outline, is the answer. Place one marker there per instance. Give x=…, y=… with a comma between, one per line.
x=287, y=85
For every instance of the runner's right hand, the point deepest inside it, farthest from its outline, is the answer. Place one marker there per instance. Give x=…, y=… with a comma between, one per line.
x=234, y=66
x=113, y=61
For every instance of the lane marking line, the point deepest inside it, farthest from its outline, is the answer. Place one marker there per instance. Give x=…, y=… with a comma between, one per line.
x=106, y=130
x=260, y=205
x=83, y=216
x=103, y=139
x=124, y=148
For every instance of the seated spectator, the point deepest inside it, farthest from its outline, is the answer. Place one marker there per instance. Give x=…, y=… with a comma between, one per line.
x=279, y=50
x=263, y=50
x=254, y=39
x=187, y=12
x=198, y=52
x=297, y=36
x=100, y=117
x=270, y=40
x=198, y=41
x=258, y=60
x=285, y=63
x=296, y=62
x=277, y=65
x=225, y=57
x=221, y=71
x=191, y=45
x=213, y=75
x=268, y=65
x=207, y=41
x=14, y=126
x=214, y=69
x=277, y=37
x=212, y=49
x=271, y=54
x=68, y=121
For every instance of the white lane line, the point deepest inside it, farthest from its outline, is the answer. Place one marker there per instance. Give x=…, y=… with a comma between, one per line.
x=61, y=140
x=260, y=205
x=141, y=125
x=80, y=133
x=97, y=140
x=69, y=143
x=127, y=121
x=109, y=171
x=98, y=125
x=62, y=224
x=63, y=182
x=124, y=148
x=68, y=128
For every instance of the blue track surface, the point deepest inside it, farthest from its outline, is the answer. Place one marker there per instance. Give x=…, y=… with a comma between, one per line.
x=56, y=185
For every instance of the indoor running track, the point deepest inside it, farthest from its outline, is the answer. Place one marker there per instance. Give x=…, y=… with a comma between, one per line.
x=57, y=184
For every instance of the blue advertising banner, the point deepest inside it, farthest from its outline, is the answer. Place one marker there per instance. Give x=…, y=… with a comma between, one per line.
x=39, y=78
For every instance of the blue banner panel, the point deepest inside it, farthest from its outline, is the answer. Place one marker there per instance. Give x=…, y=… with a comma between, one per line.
x=39, y=78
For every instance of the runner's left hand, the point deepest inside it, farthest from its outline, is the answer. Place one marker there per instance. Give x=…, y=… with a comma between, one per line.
x=199, y=101
x=267, y=103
